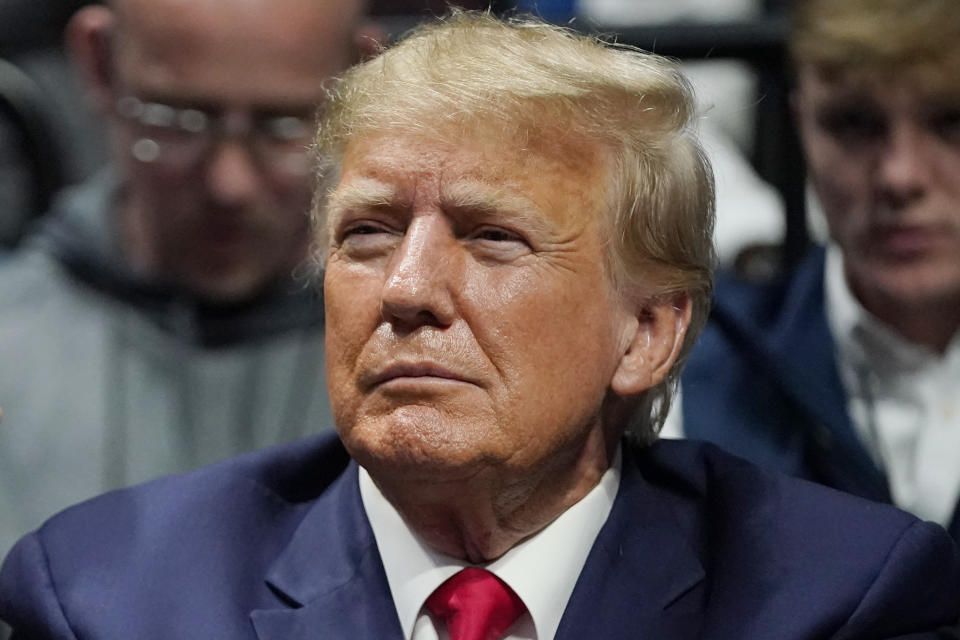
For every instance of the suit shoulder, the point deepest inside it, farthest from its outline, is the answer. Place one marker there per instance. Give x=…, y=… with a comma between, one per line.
x=222, y=525
x=771, y=543
x=715, y=475
x=738, y=503
x=262, y=485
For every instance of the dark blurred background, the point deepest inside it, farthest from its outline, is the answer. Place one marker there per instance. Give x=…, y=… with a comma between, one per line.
x=48, y=138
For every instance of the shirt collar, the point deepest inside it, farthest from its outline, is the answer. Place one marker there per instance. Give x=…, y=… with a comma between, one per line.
x=414, y=570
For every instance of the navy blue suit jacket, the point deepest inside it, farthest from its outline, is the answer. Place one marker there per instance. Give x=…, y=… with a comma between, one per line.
x=763, y=383
x=275, y=545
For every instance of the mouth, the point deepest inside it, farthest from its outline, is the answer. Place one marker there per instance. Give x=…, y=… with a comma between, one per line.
x=224, y=234
x=417, y=373
x=906, y=241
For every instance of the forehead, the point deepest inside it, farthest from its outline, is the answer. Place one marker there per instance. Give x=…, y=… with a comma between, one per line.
x=909, y=87
x=562, y=183
x=247, y=50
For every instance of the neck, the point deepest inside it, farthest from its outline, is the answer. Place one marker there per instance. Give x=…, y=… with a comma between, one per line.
x=482, y=517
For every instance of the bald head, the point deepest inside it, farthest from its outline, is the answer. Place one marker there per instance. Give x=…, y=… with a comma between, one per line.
x=278, y=42
x=220, y=212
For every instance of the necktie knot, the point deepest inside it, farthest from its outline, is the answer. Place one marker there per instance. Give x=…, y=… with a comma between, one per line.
x=475, y=605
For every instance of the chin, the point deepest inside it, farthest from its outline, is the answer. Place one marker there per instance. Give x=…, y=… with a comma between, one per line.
x=419, y=443
x=230, y=288
x=921, y=284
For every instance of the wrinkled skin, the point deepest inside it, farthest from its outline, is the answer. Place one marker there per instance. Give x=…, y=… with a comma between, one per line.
x=473, y=333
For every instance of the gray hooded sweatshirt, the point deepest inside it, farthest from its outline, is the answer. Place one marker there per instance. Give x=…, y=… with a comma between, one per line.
x=108, y=380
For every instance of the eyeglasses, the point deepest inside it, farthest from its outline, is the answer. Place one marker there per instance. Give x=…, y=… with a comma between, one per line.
x=181, y=138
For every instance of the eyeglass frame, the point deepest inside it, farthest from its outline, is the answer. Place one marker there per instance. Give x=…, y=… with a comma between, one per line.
x=195, y=123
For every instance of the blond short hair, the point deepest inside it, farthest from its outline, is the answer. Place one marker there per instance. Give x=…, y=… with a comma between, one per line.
x=472, y=74
x=878, y=37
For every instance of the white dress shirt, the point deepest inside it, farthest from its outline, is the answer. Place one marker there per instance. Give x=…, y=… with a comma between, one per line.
x=903, y=398
x=542, y=570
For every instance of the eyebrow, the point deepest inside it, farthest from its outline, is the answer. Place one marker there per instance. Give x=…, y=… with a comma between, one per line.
x=476, y=197
x=364, y=193
x=462, y=199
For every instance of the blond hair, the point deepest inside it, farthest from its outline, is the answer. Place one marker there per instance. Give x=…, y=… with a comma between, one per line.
x=878, y=37
x=538, y=83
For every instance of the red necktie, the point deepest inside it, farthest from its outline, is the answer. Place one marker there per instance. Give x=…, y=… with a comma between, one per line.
x=475, y=605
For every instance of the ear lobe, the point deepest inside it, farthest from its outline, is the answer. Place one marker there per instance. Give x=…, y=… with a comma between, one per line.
x=654, y=346
x=89, y=36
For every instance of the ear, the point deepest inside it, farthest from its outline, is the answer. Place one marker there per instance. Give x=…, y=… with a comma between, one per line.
x=369, y=40
x=653, y=342
x=89, y=36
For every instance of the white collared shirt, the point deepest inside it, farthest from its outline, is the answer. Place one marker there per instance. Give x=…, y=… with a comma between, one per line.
x=903, y=398
x=542, y=570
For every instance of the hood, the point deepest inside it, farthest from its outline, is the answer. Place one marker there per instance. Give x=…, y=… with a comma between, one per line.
x=79, y=233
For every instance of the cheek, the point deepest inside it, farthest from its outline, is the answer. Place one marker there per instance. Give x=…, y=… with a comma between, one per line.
x=548, y=333
x=352, y=310
x=293, y=194
x=946, y=169
x=514, y=313
x=837, y=197
x=289, y=222
x=176, y=198
x=842, y=183
x=145, y=174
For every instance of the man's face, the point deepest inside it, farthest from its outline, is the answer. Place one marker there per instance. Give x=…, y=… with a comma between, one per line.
x=470, y=321
x=226, y=223
x=885, y=160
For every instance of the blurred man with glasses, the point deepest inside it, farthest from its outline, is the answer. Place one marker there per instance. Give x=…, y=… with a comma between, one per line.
x=155, y=322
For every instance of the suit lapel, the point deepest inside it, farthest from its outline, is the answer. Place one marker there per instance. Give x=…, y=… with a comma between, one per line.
x=797, y=351
x=804, y=350
x=642, y=578
x=331, y=575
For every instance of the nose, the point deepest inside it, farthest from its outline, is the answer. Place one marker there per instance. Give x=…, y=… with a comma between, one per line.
x=417, y=290
x=903, y=171
x=233, y=179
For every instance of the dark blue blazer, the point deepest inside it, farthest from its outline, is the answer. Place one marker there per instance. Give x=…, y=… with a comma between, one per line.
x=275, y=545
x=763, y=383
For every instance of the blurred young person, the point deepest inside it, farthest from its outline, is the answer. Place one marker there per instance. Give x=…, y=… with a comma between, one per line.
x=846, y=372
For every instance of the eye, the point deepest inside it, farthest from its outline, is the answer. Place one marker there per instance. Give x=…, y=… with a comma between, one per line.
x=362, y=229
x=852, y=124
x=945, y=122
x=494, y=234
x=498, y=237
x=365, y=239
x=498, y=244
x=284, y=129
